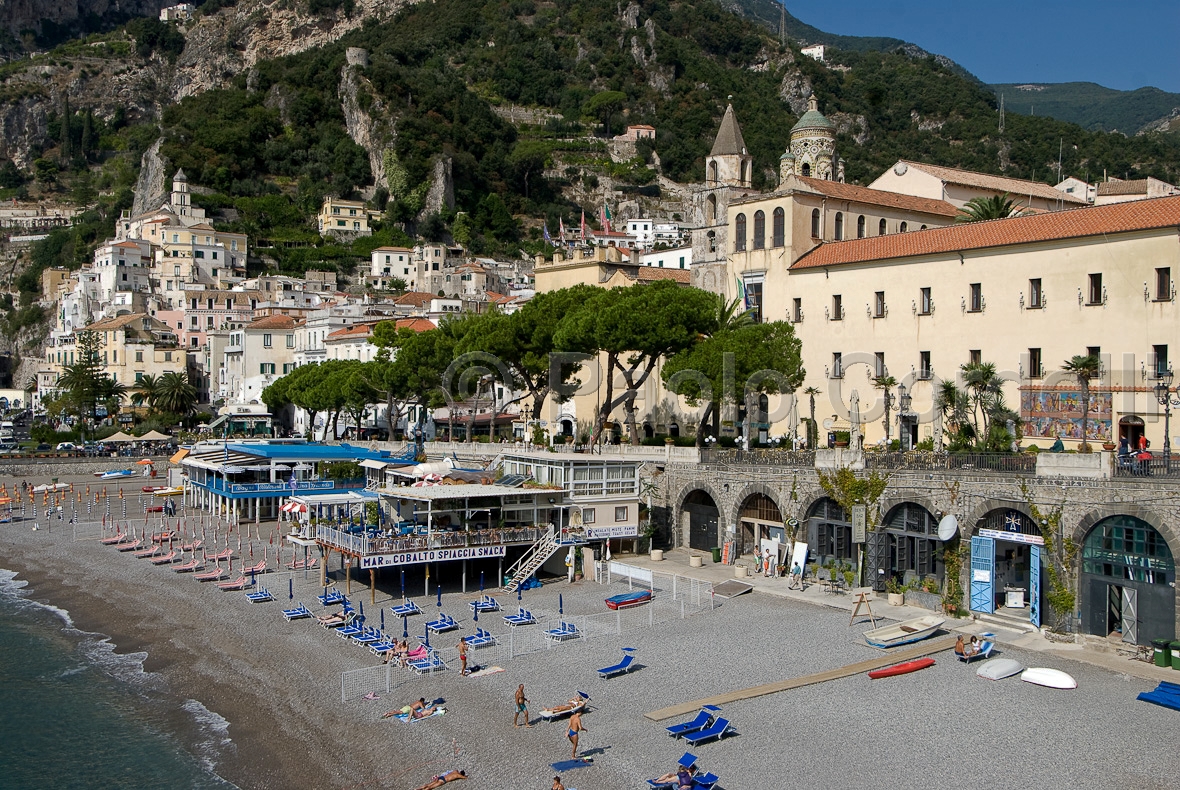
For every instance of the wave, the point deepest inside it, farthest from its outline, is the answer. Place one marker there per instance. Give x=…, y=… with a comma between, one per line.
x=214, y=738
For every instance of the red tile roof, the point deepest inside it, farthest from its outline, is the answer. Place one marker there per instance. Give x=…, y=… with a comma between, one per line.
x=415, y=298
x=351, y=332
x=651, y=274
x=878, y=197
x=1015, y=187
x=1116, y=187
x=416, y=324
x=1073, y=223
x=274, y=322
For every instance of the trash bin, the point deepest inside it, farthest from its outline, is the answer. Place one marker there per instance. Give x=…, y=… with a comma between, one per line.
x=1161, y=652
x=716, y=553
x=1176, y=655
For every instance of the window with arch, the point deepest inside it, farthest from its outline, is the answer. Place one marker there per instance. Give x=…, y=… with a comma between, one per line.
x=860, y=226
x=739, y=233
x=743, y=171
x=839, y=226
x=815, y=223
x=759, y=229
x=881, y=228
x=1125, y=547
x=922, y=228
x=712, y=237
x=712, y=171
x=711, y=208
x=903, y=227
x=912, y=545
x=780, y=225
x=805, y=170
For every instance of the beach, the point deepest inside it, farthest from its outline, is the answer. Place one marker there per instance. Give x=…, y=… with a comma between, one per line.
x=278, y=685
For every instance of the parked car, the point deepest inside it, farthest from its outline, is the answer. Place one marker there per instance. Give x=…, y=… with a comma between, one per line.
x=63, y=447
x=44, y=448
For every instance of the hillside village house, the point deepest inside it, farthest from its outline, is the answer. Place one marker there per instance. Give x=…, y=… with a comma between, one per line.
x=957, y=186
x=203, y=311
x=387, y=264
x=256, y=355
x=132, y=346
x=345, y=218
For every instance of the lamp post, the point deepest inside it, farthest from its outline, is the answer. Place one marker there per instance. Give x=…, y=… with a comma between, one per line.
x=1163, y=395
x=904, y=400
x=890, y=405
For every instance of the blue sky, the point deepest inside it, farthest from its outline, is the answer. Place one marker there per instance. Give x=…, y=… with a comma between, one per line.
x=1124, y=45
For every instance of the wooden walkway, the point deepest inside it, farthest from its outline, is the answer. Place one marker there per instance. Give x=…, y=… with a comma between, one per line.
x=923, y=648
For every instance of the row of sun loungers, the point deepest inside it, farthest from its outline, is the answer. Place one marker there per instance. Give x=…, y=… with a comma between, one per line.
x=297, y=613
x=486, y=603
x=563, y=632
x=299, y=565
x=707, y=726
x=482, y=638
x=522, y=617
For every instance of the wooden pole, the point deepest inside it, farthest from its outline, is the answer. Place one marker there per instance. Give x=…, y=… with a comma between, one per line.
x=373, y=586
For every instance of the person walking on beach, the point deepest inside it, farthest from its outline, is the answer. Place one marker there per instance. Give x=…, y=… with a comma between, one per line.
x=522, y=706
x=462, y=654
x=575, y=729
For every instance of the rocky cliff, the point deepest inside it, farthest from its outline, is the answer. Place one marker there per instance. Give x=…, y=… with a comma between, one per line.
x=17, y=16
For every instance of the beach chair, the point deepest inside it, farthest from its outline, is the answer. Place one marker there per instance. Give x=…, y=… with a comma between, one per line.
x=486, y=603
x=331, y=598
x=111, y=541
x=259, y=596
x=215, y=575
x=687, y=761
x=224, y=554
x=442, y=624
x=564, y=632
x=238, y=584
x=165, y=559
x=621, y=668
x=349, y=631
x=382, y=646
x=407, y=609
x=705, y=781
x=188, y=567
x=259, y=568
x=522, y=617
x=986, y=646
x=432, y=663
x=148, y=552
x=369, y=637
x=703, y=719
x=134, y=545
x=715, y=731
x=560, y=711
x=482, y=638
x=296, y=614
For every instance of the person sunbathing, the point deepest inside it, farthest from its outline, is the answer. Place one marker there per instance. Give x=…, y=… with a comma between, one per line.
x=415, y=709
x=442, y=779
x=334, y=619
x=568, y=706
x=682, y=776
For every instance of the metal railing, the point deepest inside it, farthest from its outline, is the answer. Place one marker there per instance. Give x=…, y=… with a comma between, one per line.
x=1008, y=463
x=365, y=545
x=1147, y=469
x=760, y=456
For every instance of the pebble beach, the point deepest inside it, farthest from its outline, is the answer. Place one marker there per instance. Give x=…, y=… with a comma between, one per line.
x=278, y=685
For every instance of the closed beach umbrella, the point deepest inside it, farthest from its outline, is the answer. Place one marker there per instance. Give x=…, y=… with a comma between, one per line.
x=560, y=610
x=440, y=595
x=405, y=628
x=475, y=615
x=426, y=639
x=362, y=608
x=518, y=593
x=481, y=582
x=290, y=589
x=382, y=619
x=403, y=585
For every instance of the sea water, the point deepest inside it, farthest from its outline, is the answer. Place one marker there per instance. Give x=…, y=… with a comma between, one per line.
x=73, y=714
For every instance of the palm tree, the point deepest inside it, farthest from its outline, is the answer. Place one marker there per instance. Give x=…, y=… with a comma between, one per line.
x=986, y=393
x=812, y=430
x=176, y=394
x=147, y=390
x=955, y=406
x=979, y=209
x=733, y=315
x=1084, y=367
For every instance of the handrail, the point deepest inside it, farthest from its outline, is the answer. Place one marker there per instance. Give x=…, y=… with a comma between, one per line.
x=549, y=537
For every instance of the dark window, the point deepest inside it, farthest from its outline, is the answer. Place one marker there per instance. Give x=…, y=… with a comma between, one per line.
x=806, y=169
x=759, y=230
x=839, y=226
x=712, y=236
x=903, y=227
x=815, y=229
x=924, y=371
x=712, y=171
x=879, y=305
x=1163, y=284
x=976, y=298
x=712, y=208
x=881, y=228
x=797, y=310
x=1035, y=367
x=837, y=364
x=780, y=223
x=837, y=307
x=975, y=357
x=879, y=369
x=754, y=300
x=1035, y=295
x=739, y=233
x=1159, y=359
x=1095, y=289
x=860, y=227
x=925, y=303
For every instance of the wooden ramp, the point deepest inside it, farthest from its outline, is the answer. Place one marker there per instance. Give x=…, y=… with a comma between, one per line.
x=731, y=588
x=923, y=648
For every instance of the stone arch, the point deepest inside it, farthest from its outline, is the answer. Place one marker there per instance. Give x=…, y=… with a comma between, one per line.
x=887, y=503
x=756, y=488
x=807, y=502
x=701, y=533
x=1160, y=524
x=688, y=488
x=971, y=519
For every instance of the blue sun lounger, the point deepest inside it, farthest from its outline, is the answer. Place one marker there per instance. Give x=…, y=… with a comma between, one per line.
x=407, y=609
x=261, y=596
x=715, y=731
x=331, y=598
x=687, y=761
x=295, y=614
x=349, y=631
x=482, y=638
x=620, y=668
x=443, y=623
x=522, y=617
x=705, y=781
x=564, y=632
x=369, y=636
x=1166, y=695
x=486, y=603
x=382, y=646
x=703, y=719
x=985, y=649
x=432, y=663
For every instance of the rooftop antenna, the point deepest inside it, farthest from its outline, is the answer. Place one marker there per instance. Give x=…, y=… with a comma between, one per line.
x=1001, y=113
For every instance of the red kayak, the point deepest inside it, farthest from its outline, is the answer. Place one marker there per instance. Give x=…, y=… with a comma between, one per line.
x=903, y=668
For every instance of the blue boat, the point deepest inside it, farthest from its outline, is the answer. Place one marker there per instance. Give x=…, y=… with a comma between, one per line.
x=624, y=600
x=116, y=473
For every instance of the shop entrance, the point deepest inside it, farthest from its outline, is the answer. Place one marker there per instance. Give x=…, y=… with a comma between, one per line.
x=1131, y=428
x=760, y=520
x=699, y=513
x=1127, y=573
x=1006, y=566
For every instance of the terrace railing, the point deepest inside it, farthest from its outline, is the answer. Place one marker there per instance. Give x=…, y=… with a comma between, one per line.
x=365, y=545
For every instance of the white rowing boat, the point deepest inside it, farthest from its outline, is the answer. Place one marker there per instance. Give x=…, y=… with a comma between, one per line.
x=904, y=632
x=1049, y=678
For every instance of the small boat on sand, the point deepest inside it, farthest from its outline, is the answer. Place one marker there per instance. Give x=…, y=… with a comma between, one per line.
x=1049, y=678
x=115, y=473
x=903, y=668
x=623, y=600
x=904, y=632
x=999, y=668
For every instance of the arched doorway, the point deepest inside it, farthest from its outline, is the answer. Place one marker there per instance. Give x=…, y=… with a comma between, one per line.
x=910, y=550
x=567, y=426
x=648, y=431
x=1006, y=565
x=1126, y=582
x=699, y=513
x=829, y=533
x=1131, y=428
x=759, y=519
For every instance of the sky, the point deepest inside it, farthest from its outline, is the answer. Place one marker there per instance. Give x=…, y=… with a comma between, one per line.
x=1126, y=44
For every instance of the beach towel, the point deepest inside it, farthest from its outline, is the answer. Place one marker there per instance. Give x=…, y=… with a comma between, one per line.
x=479, y=672
x=406, y=717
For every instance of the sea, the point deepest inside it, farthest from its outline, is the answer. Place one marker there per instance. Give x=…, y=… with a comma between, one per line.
x=74, y=714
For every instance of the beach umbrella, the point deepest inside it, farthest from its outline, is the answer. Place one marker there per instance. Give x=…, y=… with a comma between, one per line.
x=518, y=592
x=481, y=582
x=290, y=589
x=403, y=585
x=382, y=619
x=362, y=609
x=440, y=595
x=475, y=615
x=405, y=628
x=560, y=609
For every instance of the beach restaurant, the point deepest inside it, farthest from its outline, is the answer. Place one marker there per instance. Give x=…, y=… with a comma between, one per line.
x=252, y=480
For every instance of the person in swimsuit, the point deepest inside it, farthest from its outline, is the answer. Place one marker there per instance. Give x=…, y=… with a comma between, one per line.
x=575, y=730
x=522, y=706
x=462, y=654
x=442, y=779
x=557, y=784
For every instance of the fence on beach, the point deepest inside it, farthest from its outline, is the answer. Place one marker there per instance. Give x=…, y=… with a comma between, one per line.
x=674, y=598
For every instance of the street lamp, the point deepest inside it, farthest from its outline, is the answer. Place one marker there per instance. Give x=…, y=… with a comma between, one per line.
x=904, y=400
x=891, y=406
x=1163, y=395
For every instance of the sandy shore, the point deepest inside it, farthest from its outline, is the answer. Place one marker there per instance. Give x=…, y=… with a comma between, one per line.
x=278, y=685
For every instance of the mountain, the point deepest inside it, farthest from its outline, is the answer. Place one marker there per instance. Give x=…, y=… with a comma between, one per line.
x=1089, y=105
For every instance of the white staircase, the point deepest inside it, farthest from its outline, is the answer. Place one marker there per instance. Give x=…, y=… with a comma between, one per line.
x=545, y=547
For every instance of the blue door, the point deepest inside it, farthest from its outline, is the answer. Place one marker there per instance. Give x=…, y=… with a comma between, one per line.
x=983, y=560
x=1034, y=585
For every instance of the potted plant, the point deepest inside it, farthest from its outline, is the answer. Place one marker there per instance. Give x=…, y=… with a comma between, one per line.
x=842, y=438
x=895, y=591
x=849, y=577
x=1108, y=446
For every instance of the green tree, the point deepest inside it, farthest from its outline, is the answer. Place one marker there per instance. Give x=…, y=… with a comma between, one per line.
x=146, y=391
x=1084, y=368
x=176, y=395
x=980, y=208
x=604, y=105
x=812, y=428
x=461, y=230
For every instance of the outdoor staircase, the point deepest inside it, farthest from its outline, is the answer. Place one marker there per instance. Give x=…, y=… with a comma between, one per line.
x=545, y=547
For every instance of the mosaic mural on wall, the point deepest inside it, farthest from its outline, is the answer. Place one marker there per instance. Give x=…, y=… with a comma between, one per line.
x=1049, y=414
